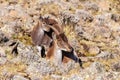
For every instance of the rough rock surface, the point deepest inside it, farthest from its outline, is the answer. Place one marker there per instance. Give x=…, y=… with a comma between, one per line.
x=92, y=27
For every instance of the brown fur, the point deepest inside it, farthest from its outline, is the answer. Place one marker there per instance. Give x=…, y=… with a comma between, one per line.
x=37, y=34
x=62, y=41
x=50, y=52
x=60, y=47
x=65, y=60
x=46, y=40
x=56, y=28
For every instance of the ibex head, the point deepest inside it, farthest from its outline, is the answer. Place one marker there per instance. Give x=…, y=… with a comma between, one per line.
x=61, y=38
x=51, y=24
x=48, y=21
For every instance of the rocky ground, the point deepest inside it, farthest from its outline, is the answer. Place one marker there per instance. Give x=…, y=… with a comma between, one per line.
x=92, y=27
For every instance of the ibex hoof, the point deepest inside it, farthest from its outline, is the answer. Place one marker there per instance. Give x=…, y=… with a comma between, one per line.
x=81, y=64
x=43, y=56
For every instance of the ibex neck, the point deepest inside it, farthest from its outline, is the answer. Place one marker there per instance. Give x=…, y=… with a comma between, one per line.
x=53, y=50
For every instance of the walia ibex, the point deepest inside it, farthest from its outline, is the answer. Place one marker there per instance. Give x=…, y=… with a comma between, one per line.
x=48, y=33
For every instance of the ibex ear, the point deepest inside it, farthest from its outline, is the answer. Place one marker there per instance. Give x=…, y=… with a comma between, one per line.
x=41, y=18
x=48, y=17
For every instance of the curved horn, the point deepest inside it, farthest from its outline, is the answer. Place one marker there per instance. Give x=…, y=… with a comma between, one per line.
x=56, y=28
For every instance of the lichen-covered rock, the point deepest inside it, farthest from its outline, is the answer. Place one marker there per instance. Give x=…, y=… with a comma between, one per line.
x=26, y=54
x=82, y=33
x=105, y=56
x=56, y=77
x=115, y=17
x=102, y=19
x=75, y=77
x=19, y=77
x=79, y=15
x=95, y=71
x=68, y=17
x=96, y=67
x=45, y=1
x=94, y=50
x=109, y=75
x=65, y=68
x=91, y=6
x=2, y=52
x=3, y=38
x=3, y=10
x=79, y=30
x=3, y=60
x=8, y=30
x=84, y=15
x=92, y=28
x=42, y=67
x=116, y=66
x=103, y=32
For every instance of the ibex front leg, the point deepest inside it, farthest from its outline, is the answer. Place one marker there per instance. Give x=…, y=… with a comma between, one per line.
x=43, y=55
x=41, y=50
x=72, y=56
